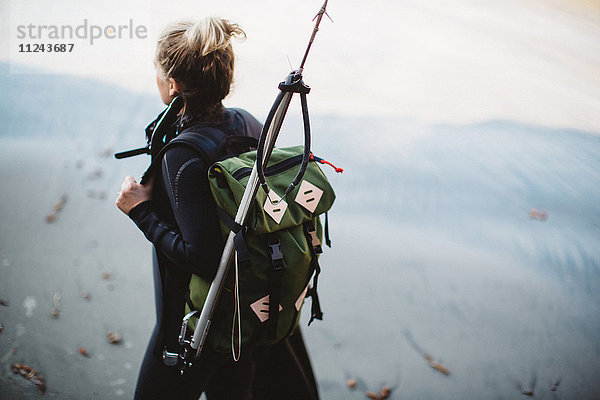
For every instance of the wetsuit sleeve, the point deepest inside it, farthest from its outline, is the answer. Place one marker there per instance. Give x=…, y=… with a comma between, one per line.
x=195, y=243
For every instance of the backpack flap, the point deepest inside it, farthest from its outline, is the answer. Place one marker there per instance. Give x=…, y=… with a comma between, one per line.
x=314, y=195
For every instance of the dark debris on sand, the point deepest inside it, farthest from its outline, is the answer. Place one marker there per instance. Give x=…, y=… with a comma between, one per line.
x=114, y=338
x=383, y=394
x=60, y=204
x=30, y=374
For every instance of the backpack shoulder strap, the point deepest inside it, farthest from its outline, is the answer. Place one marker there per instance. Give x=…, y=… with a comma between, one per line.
x=207, y=141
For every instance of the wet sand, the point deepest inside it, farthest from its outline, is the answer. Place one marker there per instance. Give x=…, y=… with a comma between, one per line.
x=437, y=254
x=445, y=257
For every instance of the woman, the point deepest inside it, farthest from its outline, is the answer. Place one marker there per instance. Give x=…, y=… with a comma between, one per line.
x=175, y=211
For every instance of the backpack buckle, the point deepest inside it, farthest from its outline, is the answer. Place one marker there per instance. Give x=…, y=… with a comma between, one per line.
x=276, y=254
x=315, y=242
x=313, y=238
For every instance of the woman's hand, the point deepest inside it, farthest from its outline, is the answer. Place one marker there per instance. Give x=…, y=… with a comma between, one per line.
x=132, y=194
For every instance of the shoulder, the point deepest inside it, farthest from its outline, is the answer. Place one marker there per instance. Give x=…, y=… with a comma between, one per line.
x=178, y=157
x=243, y=114
x=245, y=123
x=182, y=164
x=202, y=142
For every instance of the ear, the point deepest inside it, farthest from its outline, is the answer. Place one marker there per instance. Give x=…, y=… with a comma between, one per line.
x=173, y=87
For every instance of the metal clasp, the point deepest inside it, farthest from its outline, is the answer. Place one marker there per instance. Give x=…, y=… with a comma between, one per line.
x=170, y=359
x=183, y=359
x=184, y=326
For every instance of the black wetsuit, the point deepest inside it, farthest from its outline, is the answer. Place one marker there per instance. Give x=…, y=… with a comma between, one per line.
x=181, y=222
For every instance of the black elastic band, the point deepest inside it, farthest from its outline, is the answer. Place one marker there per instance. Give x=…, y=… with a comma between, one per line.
x=239, y=242
x=188, y=301
x=277, y=271
x=315, y=311
x=327, y=240
x=228, y=221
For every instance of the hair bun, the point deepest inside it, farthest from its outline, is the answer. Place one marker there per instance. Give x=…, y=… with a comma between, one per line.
x=199, y=56
x=211, y=34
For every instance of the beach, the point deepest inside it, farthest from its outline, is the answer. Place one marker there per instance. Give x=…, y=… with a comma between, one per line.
x=464, y=262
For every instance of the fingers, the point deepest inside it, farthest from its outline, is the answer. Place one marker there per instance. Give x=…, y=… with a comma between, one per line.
x=132, y=194
x=120, y=202
x=128, y=183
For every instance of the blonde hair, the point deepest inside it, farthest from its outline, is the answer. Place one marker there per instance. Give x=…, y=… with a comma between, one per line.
x=199, y=56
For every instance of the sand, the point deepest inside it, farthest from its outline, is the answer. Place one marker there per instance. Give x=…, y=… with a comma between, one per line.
x=435, y=252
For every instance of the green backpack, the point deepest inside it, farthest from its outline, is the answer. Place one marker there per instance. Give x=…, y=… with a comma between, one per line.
x=276, y=252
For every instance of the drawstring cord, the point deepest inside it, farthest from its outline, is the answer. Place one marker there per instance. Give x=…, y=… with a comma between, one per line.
x=322, y=161
x=314, y=158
